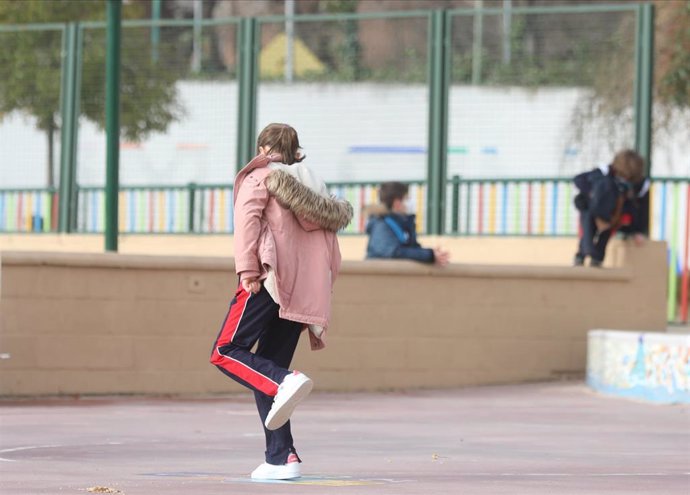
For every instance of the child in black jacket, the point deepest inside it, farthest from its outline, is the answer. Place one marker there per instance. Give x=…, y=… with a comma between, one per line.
x=605, y=195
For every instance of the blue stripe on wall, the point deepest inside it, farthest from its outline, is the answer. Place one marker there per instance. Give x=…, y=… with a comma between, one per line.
x=388, y=149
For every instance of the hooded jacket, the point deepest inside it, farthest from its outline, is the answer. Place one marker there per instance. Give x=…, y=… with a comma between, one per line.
x=393, y=235
x=284, y=227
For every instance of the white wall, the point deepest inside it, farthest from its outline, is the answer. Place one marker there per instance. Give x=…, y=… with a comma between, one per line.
x=504, y=132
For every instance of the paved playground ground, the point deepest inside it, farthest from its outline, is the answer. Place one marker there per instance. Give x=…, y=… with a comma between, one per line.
x=553, y=438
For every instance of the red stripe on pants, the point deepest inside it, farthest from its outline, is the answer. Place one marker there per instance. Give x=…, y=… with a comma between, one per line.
x=232, y=322
x=232, y=365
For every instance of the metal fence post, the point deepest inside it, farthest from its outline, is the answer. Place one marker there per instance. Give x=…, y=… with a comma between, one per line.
x=112, y=124
x=644, y=79
x=477, y=45
x=455, y=214
x=69, y=110
x=155, y=28
x=247, y=43
x=439, y=78
x=191, y=191
x=74, y=142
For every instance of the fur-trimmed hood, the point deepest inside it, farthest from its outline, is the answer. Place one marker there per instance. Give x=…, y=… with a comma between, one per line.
x=329, y=213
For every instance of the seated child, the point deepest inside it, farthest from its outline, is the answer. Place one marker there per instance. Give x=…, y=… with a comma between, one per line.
x=392, y=230
x=602, y=201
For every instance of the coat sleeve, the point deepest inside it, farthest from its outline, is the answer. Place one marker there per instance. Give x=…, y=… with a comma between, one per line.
x=384, y=244
x=604, y=200
x=249, y=206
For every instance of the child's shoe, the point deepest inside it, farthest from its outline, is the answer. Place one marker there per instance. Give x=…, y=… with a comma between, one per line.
x=289, y=470
x=291, y=391
x=595, y=263
x=578, y=260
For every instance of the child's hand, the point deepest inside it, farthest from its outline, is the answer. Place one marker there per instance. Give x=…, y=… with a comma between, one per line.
x=252, y=285
x=602, y=225
x=315, y=342
x=441, y=256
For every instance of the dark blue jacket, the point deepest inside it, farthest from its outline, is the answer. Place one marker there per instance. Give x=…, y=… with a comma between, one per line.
x=393, y=235
x=599, y=193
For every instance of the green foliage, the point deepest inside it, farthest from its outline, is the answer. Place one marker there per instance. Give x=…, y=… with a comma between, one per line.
x=30, y=68
x=338, y=6
x=674, y=84
x=148, y=96
x=526, y=68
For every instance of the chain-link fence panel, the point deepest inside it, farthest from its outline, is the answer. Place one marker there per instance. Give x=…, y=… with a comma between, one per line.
x=178, y=121
x=30, y=84
x=535, y=93
x=539, y=93
x=355, y=88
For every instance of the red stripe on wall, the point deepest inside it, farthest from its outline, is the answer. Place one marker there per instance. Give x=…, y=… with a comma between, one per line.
x=211, y=208
x=686, y=275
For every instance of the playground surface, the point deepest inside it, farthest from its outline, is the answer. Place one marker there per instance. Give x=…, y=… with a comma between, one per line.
x=555, y=438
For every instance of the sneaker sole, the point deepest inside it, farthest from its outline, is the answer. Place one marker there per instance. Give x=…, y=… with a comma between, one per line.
x=287, y=476
x=277, y=478
x=282, y=415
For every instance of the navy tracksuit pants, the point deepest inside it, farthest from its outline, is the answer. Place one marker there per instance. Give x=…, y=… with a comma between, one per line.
x=254, y=318
x=592, y=243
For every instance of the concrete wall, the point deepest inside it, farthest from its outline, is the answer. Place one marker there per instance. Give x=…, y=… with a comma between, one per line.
x=556, y=251
x=104, y=323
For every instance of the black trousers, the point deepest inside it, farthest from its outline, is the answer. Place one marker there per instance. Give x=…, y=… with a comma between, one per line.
x=592, y=242
x=254, y=318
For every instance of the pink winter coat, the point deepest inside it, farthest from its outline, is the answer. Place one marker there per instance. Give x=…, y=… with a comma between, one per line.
x=283, y=225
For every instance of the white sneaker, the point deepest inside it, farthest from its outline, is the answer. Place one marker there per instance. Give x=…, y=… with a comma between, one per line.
x=291, y=391
x=287, y=471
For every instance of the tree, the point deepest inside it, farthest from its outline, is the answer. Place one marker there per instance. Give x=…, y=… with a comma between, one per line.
x=610, y=102
x=672, y=81
x=30, y=71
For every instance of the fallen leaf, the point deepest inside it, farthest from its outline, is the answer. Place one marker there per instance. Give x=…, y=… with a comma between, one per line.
x=102, y=489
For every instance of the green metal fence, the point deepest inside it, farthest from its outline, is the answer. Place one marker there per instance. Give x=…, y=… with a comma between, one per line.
x=411, y=110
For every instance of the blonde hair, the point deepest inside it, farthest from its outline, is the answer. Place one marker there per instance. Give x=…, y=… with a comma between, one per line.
x=281, y=139
x=629, y=165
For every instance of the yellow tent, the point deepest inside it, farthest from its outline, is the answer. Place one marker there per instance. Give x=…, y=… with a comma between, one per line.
x=272, y=59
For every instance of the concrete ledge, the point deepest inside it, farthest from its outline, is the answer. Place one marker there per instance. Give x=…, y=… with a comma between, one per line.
x=369, y=267
x=648, y=366
x=110, y=324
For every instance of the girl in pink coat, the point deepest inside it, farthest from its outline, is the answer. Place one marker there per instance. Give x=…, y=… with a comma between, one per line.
x=287, y=258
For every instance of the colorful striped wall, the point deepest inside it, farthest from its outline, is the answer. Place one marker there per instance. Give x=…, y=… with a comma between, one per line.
x=531, y=207
x=28, y=210
x=511, y=207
